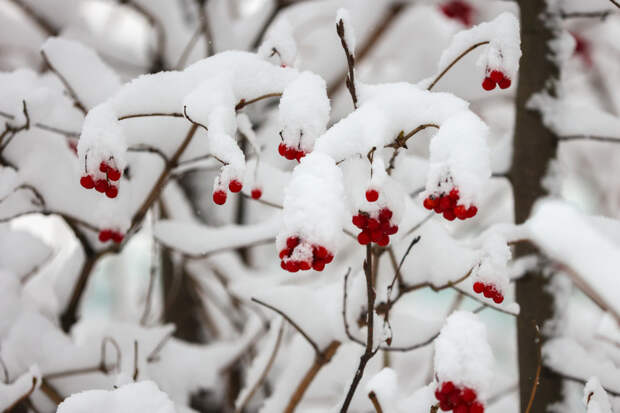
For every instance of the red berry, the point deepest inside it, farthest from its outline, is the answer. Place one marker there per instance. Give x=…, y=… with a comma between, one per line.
x=114, y=174
x=472, y=211
x=445, y=203
x=283, y=265
x=392, y=230
x=372, y=195
x=438, y=395
x=498, y=298
x=447, y=387
x=476, y=407
x=461, y=408
x=360, y=221
x=101, y=185
x=321, y=252
x=292, y=266
x=290, y=154
x=103, y=167
x=478, y=287
x=256, y=193
x=299, y=155
x=454, y=194
x=449, y=215
x=461, y=212
x=385, y=214
x=496, y=76
x=468, y=395
x=112, y=191
x=292, y=242
x=117, y=237
x=376, y=235
x=304, y=266
x=504, y=83
x=488, y=84
x=363, y=238
x=284, y=253
x=489, y=291
x=454, y=398
x=235, y=186
x=383, y=241
x=105, y=235
x=219, y=197
x=87, y=182
x=373, y=224
x=318, y=265
x=445, y=405
x=329, y=258
x=430, y=203
x=282, y=149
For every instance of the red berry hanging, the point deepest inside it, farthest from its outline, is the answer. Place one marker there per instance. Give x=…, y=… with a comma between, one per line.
x=114, y=174
x=282, y=149
x=504, y=83
x=87, y=182
x=105, y=235
x=117, y=237
x=256, y=193
x=103, y=167
x=219, y=197
x=372, y=195
x=111, y=191
x=488, y=84
x=235, y=186
x=101, y=185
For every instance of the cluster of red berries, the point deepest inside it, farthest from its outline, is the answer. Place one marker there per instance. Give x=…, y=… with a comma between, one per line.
x=103, y=185
x=460, y=400
x=496, y=78
x=375, y=229
x=458, y=10
x=219, y=196
x=489, y=291
x=582, y=48
x=290, y=153
x=320, y=257
x=106, y=235
x=448, y=206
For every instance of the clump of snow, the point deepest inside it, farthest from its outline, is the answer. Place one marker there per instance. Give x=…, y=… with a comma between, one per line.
x=459, y=158
x=314, y=203
x=463, y=355
x=502, y=53
x=304, y=111
x=25, y=384
x=142, y=397
x=102, y=139
x=385, y=386
x=595, y=398
x=493, y=267
x=91, y=80
x=279, y=46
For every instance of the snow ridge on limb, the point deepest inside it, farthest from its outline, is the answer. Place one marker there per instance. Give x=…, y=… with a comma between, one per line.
x=595, y=398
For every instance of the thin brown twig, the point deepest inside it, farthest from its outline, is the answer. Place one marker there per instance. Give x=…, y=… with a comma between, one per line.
x=375, y=402
x=588, y=138
x=455, y=61
x=538, y=370
x=77, y=103
x=350, y=77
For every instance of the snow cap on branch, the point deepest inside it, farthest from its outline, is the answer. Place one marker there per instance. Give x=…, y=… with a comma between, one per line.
x=279, y=46
x=102, y=138
x=595, y=398
x=463, y=355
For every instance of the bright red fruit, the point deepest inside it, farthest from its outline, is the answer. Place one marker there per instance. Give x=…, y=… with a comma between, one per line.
x=103, y=167
x=101, y=185
x=461, y=408
x=114, y=174
x=105, y=235
x=461, y=212
x=497, y=76
x=219, y=197
x=282, y=149
x=488, y=84
x=498, y=298
x=318, y=266
x=468, y=395
x=504, y=83
x=476, y=407
x=235, y=186
x=363, y=238
x=256, y=193
x=117, y=237
x=87, y=182
x=372, y=195
x=360, y=221
x=292, y=242
x=478, y=287
x=472, y=211
x=111, y=191
x=449, y=215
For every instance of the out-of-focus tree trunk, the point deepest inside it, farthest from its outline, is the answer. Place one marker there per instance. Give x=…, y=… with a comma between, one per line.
x=534, y=147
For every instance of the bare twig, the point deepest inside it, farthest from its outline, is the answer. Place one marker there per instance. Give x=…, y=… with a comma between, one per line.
x=455, y=61
x=205, y=27
x=243, y=103
x=76, y=100
x=538, y=370
x=375, y=402
x=589, y=138
x=154, y=356
x=350, y=77
x=135, y=360
x=154, y=114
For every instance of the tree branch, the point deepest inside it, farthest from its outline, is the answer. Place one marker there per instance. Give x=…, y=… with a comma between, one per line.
x=375, y=402
x=350, y=77
x=76, y=100
x=455, y=61
x=589, y=138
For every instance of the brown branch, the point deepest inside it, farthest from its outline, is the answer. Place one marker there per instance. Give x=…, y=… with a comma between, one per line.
x=455, y=61
x=243, y=103
x=188, y=48
x=350, y=77
x=589, y=138
x=51, y=392
x=265, y=372
x=375, y=402
x=320, y=360
x=305, y=335
x=538, y=370
x=603, y=14
x=76, y=100
x=154, y=356
x=615, y=3
x=155, y=114
x=135, y=360
x=11, y=131
x=22, y=397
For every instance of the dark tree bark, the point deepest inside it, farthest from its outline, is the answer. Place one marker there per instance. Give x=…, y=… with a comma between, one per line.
x=534, y=147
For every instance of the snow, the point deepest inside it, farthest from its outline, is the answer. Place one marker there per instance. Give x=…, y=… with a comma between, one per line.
x=385, y=386
x=304, y=111
x=279, y=46
x=92, y=80
x=314, y=204
x=21, y=252
x=579, y=246
x=502, y=53
x=595, y=398
x=349, y=34
x=23, y=385
x=463, y=355
x=141, y=397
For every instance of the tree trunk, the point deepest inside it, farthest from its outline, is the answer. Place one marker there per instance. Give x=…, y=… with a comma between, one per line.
x=534, y=147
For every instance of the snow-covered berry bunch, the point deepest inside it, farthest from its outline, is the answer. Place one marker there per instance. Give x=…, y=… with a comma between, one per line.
x=106, y=235
x=448, y=205
x=301, y=255
x=104, y=180
x=489, y=291
x=376, y=226
x=459, y=10
x=234, y=186
x=290, y=153
x=458, y=399
x=495, y=78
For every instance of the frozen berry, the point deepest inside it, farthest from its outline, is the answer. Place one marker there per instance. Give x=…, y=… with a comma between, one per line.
x=478, y=287
x=117, y=237
x=373, y=224
x=461, y=212
x=461, y=408
x=318, y=266
x=321, y=252
x=103, y=167
x=384, y=240
x=504, y=83
x=219, y=197
x=290, y=154
x=101, y=185
x=430, y=203
x=476, y=407
x=360, y=221
x=235, y=186
x=449, y=215
x=447, y=387
x=489, y=291
x=304, y=266
x=496, y=76
x=111, y=191
x=472, y=211
x=292, y=242
x=87, y=182
x=363, y=238
x=454, y=195
x=284, y=253
x=105, y=235
x=468, y=395
x=282, y=149
x=392, y=230
x=385, y=214
x=445, y=203
x=256, y=193
x=488, y=84
x=114, y=174
x=498, y=298
x=372, y=195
